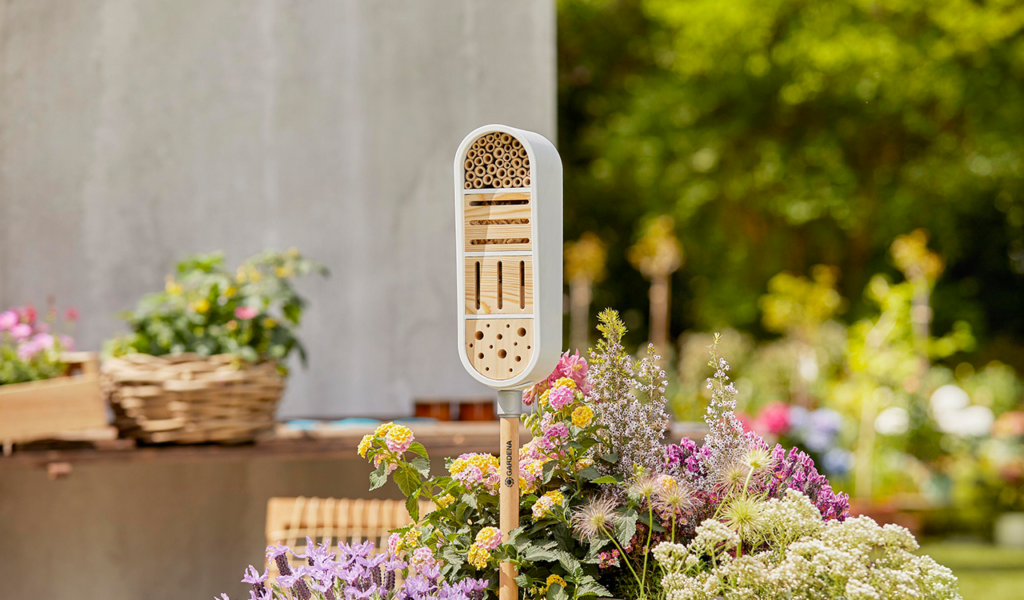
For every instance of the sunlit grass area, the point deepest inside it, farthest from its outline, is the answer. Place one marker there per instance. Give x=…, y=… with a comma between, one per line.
x=985, y=572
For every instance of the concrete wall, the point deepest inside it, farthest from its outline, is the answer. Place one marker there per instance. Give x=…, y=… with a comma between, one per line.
x=152, y=531
x=134, y=132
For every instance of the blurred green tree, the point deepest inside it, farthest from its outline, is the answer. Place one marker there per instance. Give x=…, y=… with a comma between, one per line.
x=785, y=133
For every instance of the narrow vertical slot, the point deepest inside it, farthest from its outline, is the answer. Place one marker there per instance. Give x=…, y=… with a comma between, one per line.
x=476, y=290
x=499, y=286
x=522, y=285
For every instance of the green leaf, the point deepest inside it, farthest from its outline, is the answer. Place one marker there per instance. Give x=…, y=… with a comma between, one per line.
x=412, y=505
x=379, y=477
x=417, y=448
x=548, y=470
x=568, y=562
x=590, y=473
x=422, y=466
x=407, y=479
x=604, y=479
x=610, y=458
x=588, y=586
x=625, y=529
x=470, y=500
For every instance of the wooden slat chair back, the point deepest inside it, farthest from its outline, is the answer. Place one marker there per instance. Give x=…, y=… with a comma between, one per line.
x=291, y=520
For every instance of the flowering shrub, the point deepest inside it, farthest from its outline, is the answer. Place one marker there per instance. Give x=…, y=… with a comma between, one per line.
x=206, y=309
x=599, y=490
x=793, y=553
x=30, y=349
x=354, y=572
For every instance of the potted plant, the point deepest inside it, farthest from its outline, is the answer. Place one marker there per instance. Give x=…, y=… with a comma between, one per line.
x=205, y=358
x=46, y=389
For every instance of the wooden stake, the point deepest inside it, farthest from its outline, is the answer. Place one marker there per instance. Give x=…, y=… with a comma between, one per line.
x=510, y=404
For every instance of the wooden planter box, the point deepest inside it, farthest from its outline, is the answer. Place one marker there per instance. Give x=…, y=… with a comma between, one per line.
x=49, y=409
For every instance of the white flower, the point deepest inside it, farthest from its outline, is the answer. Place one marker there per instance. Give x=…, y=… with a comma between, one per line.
x=892, y=421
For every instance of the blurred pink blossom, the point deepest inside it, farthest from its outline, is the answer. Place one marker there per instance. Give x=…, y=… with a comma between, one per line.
x=44, y=340
x=27, y=313
x=8, y=319
x=21, y=331
x=67, y=343
x=27, y=350
x=774, y=418
x=71, y=314
x=246, y=312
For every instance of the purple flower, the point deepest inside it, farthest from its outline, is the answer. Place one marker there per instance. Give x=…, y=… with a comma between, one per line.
x=8, y=319
x=21, y=331
x=253, y=578
x=44, y=340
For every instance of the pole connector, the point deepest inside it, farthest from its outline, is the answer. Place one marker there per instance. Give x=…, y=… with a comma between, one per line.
x=510, y=403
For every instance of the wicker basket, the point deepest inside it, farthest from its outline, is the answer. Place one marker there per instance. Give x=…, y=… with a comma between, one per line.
x=191, y=399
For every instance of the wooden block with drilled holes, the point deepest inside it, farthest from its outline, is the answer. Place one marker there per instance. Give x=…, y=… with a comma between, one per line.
x=514, y=288
x=499, y=348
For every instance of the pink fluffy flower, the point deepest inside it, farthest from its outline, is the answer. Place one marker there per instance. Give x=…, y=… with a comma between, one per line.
x=8, y=319
x=560, y=397
x=21, y=331
x=71, y=314
x=246, y=312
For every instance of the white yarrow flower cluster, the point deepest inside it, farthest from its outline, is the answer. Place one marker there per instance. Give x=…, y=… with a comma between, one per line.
x=804, y=558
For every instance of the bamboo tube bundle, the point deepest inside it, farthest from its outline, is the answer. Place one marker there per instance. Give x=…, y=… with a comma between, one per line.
x=496, y=161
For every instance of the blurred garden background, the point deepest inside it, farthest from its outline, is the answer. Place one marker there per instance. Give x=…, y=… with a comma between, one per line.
x=837, y=187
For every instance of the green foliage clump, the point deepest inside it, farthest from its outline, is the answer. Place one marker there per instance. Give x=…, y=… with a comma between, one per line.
x=205, y=308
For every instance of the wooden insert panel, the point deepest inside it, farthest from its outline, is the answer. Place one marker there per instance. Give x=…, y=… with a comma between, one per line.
x=498, y=222
x=499, y=285
x=499, y=349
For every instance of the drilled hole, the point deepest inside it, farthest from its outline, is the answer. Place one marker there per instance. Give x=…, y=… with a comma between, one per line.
x=528, y=347
x=519, y=358
x=481, y=355
x=491, y=346
x=501, y=354
x=479, y=335
x=488, y=324
x=522, y=284
x=510, y=370
x=499, y=286
x=522, y=332
x=477, y=290
x=499, y=336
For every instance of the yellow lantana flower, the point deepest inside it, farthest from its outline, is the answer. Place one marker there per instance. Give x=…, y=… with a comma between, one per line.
x=445, y=501
x=565, y=381
x=582, y=416
x=364, y=445
x=383, y=429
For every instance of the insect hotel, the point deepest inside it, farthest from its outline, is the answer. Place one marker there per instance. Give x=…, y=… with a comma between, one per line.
x=508, y=239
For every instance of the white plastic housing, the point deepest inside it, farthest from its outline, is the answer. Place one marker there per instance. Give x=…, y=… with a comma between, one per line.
x=509, y=270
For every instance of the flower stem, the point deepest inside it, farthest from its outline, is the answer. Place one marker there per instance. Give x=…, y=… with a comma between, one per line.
x=625, y=558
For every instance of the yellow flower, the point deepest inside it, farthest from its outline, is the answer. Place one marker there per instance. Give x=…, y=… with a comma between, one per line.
x=383, y=429
x=552, y=579
x=478, y=556
x=269, y=323
x=545, y=505
x=666, y=483
x=445, y=501
x=202, y=306
x=411, y=539
x=283, y=272
x=173, y=288
x=364, y=444
x=582, y=416
x=255, y=276
x=583, y=463
x=240, y=275
x=569, y=383
x=544, y=398
x=232, y=325
x=230, y=292
x=293, y=252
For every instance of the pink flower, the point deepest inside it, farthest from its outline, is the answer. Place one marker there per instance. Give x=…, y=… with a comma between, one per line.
x=8, y=319
x=27, y=350
x=44, y=340
x=246, y=312
x=27, y=313
x=42, y=327
x=21, y=331
x=67, y=343
x=393, y=540
x=558, y=430
x=71, y=314
x=774, y=418
x=560, y=397
x=574, y=367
